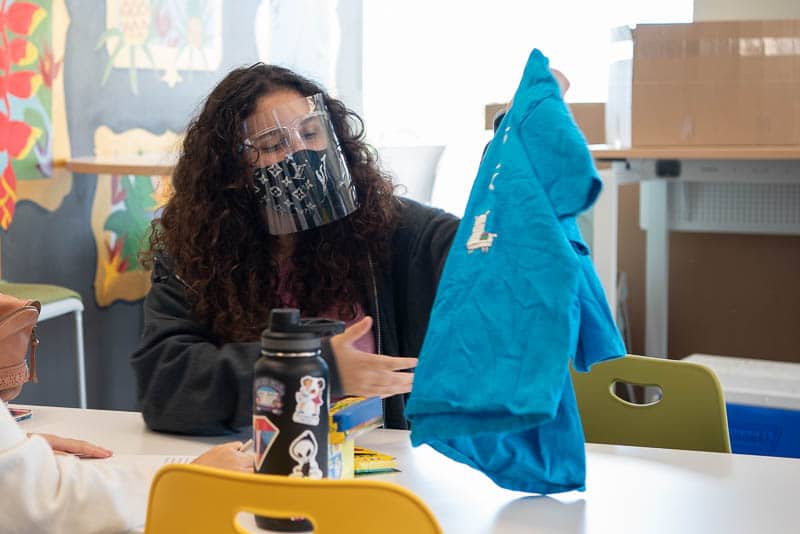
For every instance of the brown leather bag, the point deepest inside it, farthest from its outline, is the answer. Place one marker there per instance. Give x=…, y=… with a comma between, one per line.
x=17, y=336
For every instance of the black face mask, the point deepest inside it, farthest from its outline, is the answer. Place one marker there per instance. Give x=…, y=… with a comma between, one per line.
x=293, y=184
x=309, y=186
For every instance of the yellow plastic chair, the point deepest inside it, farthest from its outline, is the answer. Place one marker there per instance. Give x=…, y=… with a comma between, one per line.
x=689, y=415
x=193, y=498
x=56, y=301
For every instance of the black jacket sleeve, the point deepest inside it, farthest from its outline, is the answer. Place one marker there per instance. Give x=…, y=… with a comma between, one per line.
x=422, y=246
x=185, y=382
x=433, y=243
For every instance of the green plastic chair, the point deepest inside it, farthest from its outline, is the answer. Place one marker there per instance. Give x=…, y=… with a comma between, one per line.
x=56, y=301
x=689, y=415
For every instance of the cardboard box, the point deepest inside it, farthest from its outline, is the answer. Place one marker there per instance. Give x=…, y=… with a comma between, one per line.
x=490, y=111
x=590, y=117
x=705, y=83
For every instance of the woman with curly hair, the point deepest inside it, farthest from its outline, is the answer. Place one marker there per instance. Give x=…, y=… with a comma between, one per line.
x=279, y=202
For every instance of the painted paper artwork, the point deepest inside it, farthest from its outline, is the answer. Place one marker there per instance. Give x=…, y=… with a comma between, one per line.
x=168, y=35
x=27, y=70
x=122, y=210
x=49, y=194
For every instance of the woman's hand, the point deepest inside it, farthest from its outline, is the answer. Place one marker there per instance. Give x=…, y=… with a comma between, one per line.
x=227, y=456
x=84, y=449
x=563, y=82
x=366, y=374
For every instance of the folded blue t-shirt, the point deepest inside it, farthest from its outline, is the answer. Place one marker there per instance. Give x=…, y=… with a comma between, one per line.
x=517, y=299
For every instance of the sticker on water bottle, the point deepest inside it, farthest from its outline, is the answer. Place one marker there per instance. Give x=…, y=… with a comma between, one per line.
x=269, y=395
x=303, y=451
x=264, y=435
x=309, y=399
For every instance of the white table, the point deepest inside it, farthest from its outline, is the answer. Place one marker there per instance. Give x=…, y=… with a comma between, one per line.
x=767, y=177
x=629, y=489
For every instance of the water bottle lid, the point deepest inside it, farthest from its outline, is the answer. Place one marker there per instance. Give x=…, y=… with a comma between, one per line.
x=284, y=319
x=287, y=332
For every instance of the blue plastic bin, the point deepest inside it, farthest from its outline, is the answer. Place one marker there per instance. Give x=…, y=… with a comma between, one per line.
x=764, y=431
x=763, y=403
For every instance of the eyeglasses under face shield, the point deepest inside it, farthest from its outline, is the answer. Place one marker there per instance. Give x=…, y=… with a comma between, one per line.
x=299, y=171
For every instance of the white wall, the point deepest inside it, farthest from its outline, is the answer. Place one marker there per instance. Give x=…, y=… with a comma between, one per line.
x=351, y=49
x=430, y=67
x=746, y=9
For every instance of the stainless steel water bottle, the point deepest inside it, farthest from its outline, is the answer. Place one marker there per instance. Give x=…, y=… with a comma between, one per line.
x=290, y=403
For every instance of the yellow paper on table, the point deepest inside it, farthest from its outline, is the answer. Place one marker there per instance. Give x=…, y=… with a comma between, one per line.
x=368, y=461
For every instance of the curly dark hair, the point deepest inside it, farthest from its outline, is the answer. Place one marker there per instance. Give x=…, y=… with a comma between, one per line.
x=214, y=230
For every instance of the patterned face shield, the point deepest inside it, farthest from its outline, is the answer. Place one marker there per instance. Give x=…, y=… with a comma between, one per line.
x=300, y=173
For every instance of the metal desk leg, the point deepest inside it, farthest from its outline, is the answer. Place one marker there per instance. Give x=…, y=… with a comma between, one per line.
x=79, y=356
x=604, y=239
x=654, y=217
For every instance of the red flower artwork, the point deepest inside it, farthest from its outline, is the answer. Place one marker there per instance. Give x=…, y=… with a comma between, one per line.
x=20, y=78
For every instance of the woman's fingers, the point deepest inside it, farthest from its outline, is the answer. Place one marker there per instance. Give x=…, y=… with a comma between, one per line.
x=563, y=82
x=77, y=447
x=367, y=374
x=395, y=363
x=354, y=332
x=398, y=384
x=227, y=456
x=380, y=378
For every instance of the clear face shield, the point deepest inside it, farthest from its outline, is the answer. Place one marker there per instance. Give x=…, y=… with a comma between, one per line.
x=300, y=173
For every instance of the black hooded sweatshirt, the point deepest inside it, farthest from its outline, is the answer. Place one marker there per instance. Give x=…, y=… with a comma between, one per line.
x=188, y=384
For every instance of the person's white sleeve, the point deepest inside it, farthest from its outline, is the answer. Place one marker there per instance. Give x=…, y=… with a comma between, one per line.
x=45, y=492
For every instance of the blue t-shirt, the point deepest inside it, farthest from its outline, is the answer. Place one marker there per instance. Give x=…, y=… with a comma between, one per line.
x=517, y=299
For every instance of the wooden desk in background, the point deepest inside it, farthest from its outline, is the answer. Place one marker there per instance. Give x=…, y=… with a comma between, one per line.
x=629, y=489
x=153, y=164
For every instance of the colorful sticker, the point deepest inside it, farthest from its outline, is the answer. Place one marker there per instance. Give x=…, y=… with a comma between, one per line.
x=264, y=435
x=480, y=238
x=269, y=395
x=309, y=400
x=335, y=461
x=303, y=451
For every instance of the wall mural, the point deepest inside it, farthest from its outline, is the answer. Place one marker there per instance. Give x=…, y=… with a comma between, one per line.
x=50, y=193
x=30, y=80
x=122, y=210
x=168, y=35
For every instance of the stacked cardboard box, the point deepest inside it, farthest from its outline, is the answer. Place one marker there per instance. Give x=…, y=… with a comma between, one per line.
x=705, y=83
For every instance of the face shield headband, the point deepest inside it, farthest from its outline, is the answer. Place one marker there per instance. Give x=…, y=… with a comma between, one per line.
x=300, y=174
